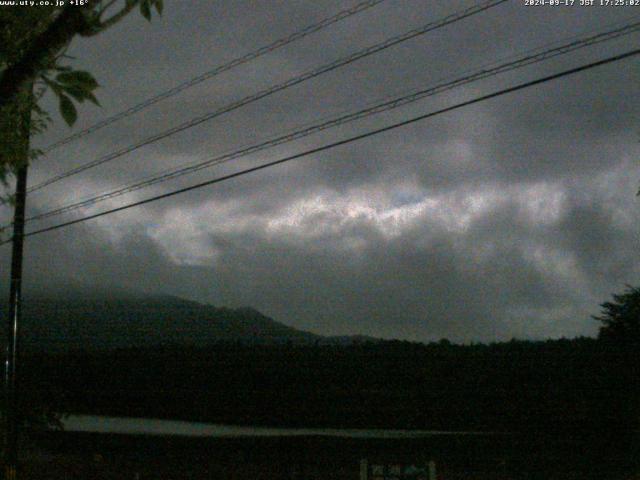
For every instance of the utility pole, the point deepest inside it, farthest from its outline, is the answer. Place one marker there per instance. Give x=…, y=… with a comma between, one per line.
x=13, y=322
x=11, y=418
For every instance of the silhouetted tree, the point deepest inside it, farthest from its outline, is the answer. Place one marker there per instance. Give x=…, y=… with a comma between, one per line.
x=621, y=319
x=620, y=334
x=33, y=42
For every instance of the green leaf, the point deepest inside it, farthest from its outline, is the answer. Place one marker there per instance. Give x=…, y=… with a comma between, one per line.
x=78, y=77
x=159, y=6
x=92, y=98
x=53, y=85
x=76, y=92
x=145, y=9
x=68, y=110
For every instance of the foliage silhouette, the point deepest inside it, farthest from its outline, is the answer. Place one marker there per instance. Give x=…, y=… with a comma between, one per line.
x=33, y=44
x=621, y=319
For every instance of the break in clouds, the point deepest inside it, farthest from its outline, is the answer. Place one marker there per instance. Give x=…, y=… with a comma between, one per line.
x=515, y=217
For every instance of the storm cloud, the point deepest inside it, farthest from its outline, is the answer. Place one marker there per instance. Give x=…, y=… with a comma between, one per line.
x=515, y=217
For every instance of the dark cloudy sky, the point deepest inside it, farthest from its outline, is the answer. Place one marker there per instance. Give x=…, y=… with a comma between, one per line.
x=513, y=217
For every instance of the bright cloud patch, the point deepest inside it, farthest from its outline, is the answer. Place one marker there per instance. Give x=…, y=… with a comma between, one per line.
x=345, y=221
x=183, y=239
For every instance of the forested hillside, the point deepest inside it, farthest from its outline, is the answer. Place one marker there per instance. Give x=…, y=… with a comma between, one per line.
x=555, y=385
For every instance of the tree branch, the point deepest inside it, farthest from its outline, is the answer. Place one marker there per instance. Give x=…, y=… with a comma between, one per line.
x=39, y=54
x=104, y=8
x=130, y=5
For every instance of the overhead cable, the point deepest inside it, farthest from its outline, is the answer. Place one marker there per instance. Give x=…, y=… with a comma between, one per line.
x=449, y=19
x=236, y=62
x=346, y=141
x=343, y=119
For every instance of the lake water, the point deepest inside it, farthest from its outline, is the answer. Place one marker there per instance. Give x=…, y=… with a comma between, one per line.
x=146, y=426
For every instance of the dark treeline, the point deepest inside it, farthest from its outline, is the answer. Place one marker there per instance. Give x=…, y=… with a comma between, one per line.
x=556, y=385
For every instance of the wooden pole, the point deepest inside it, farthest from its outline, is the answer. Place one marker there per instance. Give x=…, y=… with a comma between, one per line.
x=15, y=314
x=432, y=470
x=11, y=418
x=364, y=467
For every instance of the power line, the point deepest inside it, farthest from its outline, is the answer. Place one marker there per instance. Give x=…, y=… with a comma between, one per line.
x=577, y=41
x=527, y=60
x=355, y=138
x=452, y=18
x=236, y=62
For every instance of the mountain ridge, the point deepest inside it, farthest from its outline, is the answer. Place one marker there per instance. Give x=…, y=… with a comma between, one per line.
x=95, y=322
